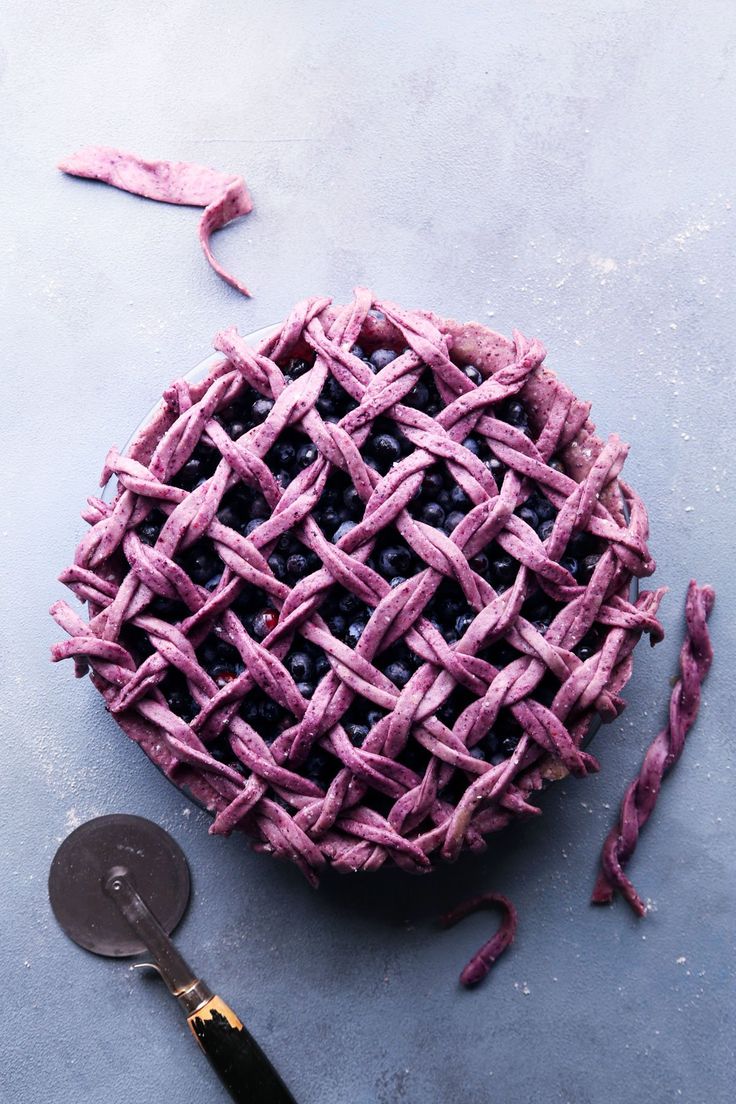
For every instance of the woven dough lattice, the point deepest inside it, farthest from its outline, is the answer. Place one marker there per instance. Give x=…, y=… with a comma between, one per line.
x=377, y=758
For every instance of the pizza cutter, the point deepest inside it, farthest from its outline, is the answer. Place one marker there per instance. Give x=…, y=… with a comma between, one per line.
x=118, y=886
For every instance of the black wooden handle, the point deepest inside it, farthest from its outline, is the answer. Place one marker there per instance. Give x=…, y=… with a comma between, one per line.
x=237, y=1058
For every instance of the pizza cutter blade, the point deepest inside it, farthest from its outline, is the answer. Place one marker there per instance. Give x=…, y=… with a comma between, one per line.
x=118, y=887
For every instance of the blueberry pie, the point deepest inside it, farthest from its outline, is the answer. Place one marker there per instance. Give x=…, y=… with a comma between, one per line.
x=363, y=589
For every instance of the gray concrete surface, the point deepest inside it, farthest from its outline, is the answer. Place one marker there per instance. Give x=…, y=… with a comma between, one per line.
x=567, y=168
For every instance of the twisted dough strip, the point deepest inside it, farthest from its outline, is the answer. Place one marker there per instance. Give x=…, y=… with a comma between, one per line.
x=485, y=957
x=641, y=796
x=223, y=196
x=338, y=825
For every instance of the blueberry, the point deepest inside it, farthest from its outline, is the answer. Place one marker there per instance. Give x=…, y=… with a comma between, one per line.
x=148, y=532
x=529, y=516
x=213, y=581
x=396, y=581
x=251, y=526
x=373, y=716
x=349, y=603
x=540, y=626
x=329, y=518
x=542, y=506
x=228, y=515
x=589, y=565
x=249, y=711
x=497, y=469
x=261, y=409
x=433, y=483
x=545, y=529
x=382, y=357
x=191, y=471
x=306, y=455
x=284, y=453
x=473, y=374
x=336, y=624
x=343, y=530
x=236, y=430
x=516, y=414
x=398, y=672
x=394, y=561
x=299, y=665
x=352, y=500
x=570, y=563
x=202, y=566
x=459, y=499
x=463, y=623
x=418, y=397
x=357, y=351
x=385, y=448
x=355, y=631
x=503, y=568
x=295, y=368
x=453, y=520
x=278, y=566
x=479, y=563
x=472, y=444
x=223, y=674
x=259, y=508
x=433, y=514
x=306, y=689
x=296, y=565
x=357, y=734
x=269, y=711
x=443, y=498
x=264, y=622
x=322, y=665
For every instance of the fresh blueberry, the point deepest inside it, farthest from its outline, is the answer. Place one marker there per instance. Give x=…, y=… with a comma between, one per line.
x=264, y=622
x=277, y=564
x=357, y=351
x=336, y=624
x=570, y=563
x=529, y=516
x=284, y=454
x=228, y=515
x=223, y=674
x=251, y=526
x=463, y=623
x=503, y=568
x=191, y=472
x=300, y=666
x=386, y=448
x=354, y=631
x=433, y=483
x=295, y=368
x=398, y=672
x=381, y=357
x=306, y=689
x=373, y=716
x=453, y=520
x=259, y=508
x=418, y=397
x=269, y=711
x=433, y=514
x=459, y=499
x=322, y=665
x=349, y=603
x=479, y=563
x=545, y=529
x=236, y=430
x=203, y=566
x=357, y=734
x=396, y=581
x=473, y=374
x=542, y=506
x=148, y=532
x=394, y=560
x=589, y=565
x=306, y=455
x=497, y=469
x=516, y=414
x=472, y=444
x=343, y=530
x=261, y=409
x=213, y=581
x=352, y=500
x=296, y=565
x=329, y=518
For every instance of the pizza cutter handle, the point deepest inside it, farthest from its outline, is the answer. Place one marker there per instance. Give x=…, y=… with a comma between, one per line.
x=236, y=1057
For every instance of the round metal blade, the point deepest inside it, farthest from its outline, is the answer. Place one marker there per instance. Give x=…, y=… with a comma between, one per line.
x=154, y=861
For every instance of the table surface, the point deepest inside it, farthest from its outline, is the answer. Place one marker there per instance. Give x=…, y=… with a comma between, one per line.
x=563, y=168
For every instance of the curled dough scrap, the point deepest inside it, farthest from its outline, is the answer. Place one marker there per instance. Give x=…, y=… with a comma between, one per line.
x=223, y=196
x=484, y=958
x=641, y=796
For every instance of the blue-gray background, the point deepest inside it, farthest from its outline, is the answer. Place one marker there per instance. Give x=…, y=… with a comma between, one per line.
x=567, y=168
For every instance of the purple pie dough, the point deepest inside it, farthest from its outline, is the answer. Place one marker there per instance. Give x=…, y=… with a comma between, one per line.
x=362, y=590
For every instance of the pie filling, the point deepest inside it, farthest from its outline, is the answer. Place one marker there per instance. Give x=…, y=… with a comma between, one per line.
x=398, y=694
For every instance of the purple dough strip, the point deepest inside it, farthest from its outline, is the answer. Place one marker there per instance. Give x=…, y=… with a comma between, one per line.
x=641, y=796
x=486, y=956
x=224, y=196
